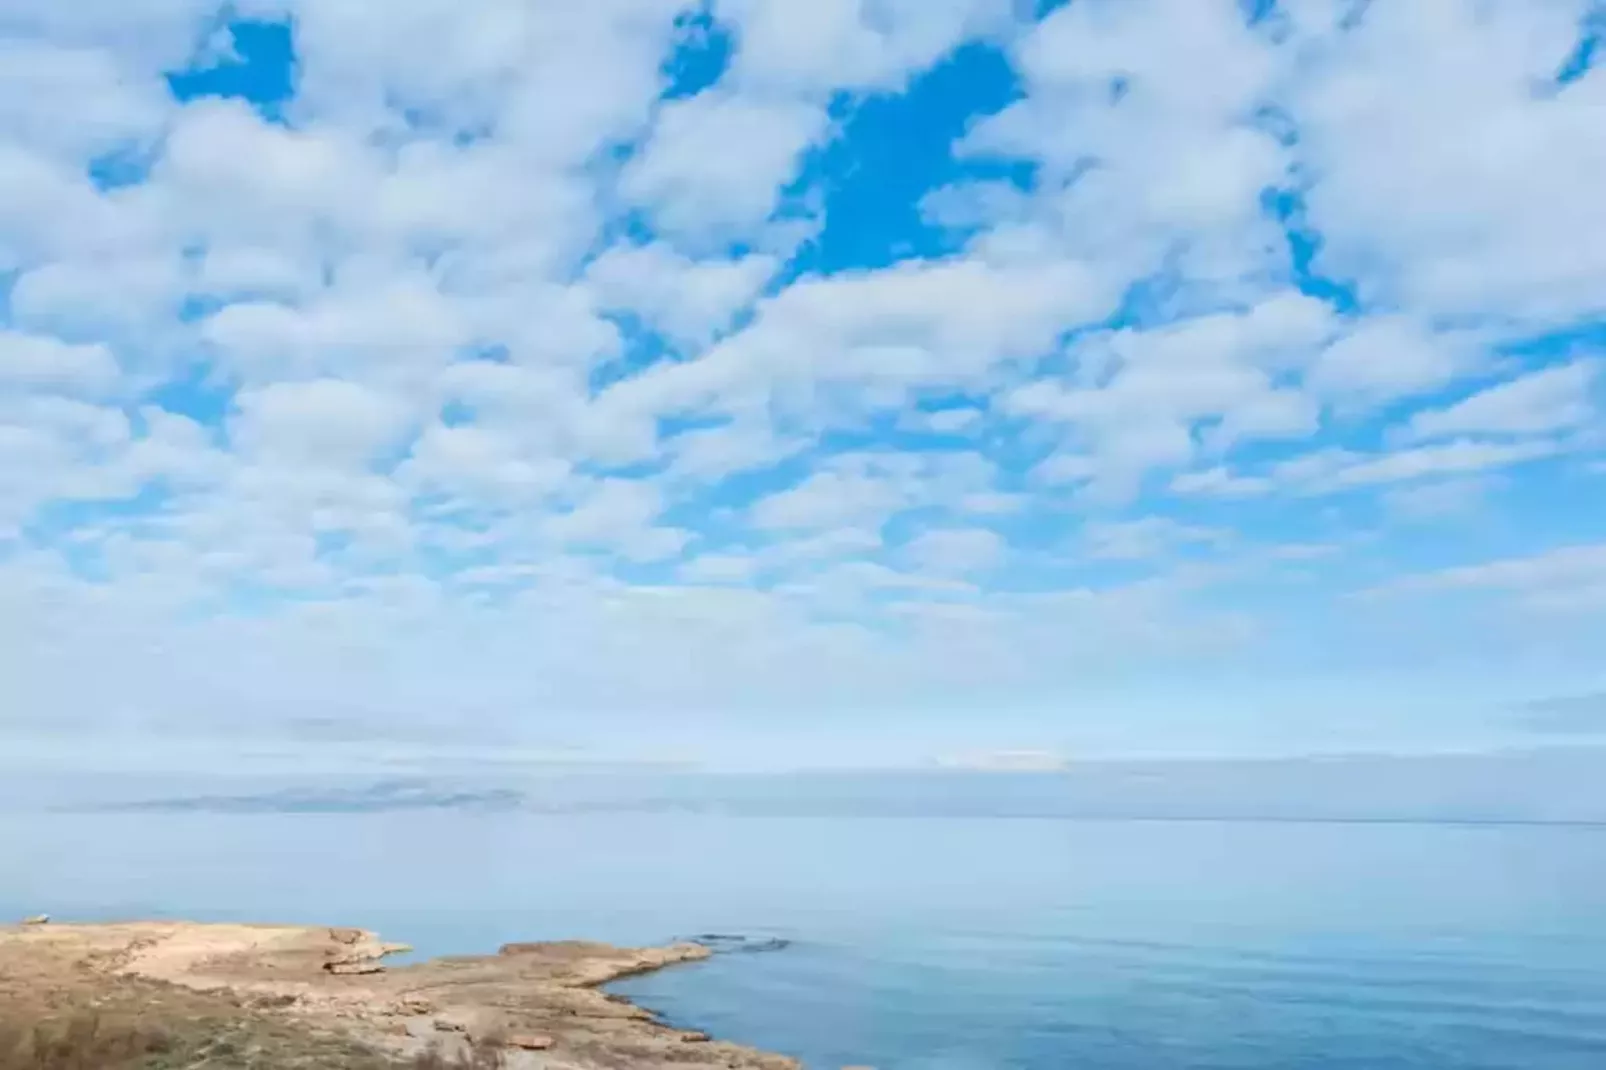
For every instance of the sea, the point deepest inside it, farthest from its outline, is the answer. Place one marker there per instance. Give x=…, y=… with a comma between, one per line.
x=930, y=940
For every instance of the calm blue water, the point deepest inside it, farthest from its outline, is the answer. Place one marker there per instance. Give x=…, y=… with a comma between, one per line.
x=946, y=943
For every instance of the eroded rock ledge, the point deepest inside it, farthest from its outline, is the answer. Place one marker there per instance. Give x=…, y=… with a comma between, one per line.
x=540, y=1000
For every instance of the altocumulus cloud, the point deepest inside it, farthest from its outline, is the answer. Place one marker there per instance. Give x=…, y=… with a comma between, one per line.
x=646, y=374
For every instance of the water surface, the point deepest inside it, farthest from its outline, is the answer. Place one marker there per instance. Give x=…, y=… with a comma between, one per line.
x=944, y=942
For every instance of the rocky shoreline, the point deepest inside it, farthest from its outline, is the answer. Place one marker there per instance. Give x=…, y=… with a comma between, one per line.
x=539, y=1004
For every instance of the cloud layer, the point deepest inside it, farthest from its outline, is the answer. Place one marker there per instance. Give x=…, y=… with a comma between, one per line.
x=644, y=370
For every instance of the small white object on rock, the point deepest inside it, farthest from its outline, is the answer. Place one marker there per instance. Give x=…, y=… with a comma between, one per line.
x=37, y=919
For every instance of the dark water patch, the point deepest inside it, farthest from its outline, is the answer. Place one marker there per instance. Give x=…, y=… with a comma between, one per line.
x=731, y=944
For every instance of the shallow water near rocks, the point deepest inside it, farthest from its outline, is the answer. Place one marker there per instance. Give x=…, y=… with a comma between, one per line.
x=944, y=943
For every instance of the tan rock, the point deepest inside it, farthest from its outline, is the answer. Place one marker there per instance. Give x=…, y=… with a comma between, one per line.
x=530, y=1042
x=37, y=919
x=530, y=991
x=359, y=968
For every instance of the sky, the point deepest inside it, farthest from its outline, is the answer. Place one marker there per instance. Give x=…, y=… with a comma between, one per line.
x=757, y=383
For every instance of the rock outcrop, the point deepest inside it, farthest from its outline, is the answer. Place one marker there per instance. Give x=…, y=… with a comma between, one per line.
x=541, y=1001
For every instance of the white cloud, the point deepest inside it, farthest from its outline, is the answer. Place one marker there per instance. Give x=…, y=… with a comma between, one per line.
x=1137, y=397
x=340, y=334
x=809, y=549
x=713, y=453
x=1450, y=458
x=1219, y=482
x=1142, y=117
x=956, y=552
x=92, y=296
x=944, y=421
x=861, y=491
x=151, y=35
x=1303, y=551
x=1390, y=357
x=1334, y=470
x=504, y=67
x=827, y=350
x=719, y=569
x=1146, y=537
x=829, y=499
x=1422, y=127
x=221, y=150
x=321, y=422
x=1544, y=402
x=1567, y=579
x=620, y=515
x=688, y=300
x=481, y=466
x=36, y=361
x=1446, y=499
x=55, y=449
x=717, y=161
x=242, y=272
x=850, y=44
x=111, y=105
x=983, y=503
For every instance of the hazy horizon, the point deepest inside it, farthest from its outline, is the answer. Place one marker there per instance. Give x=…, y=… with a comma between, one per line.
x=1555, y=785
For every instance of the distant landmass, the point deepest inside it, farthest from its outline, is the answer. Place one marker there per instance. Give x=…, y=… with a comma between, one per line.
x=381, y=796
x=1559, y=785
